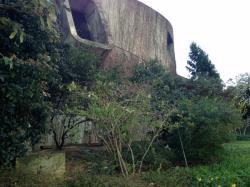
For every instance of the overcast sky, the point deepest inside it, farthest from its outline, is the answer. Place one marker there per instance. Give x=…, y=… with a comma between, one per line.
x=219, y=27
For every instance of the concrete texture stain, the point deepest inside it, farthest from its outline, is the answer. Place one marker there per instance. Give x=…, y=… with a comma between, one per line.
x=123, y=31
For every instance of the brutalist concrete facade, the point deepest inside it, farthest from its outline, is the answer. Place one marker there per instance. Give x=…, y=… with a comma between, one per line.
x=124, y=32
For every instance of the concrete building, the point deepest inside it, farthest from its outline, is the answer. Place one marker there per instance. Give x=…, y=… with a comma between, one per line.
x=124, y=32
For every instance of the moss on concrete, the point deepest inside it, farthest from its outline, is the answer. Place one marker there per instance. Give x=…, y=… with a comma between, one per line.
x=45, y=163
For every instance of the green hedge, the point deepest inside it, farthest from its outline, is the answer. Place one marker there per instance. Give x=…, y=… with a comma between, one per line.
x=243, y=137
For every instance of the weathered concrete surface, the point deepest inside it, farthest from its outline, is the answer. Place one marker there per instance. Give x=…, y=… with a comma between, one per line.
x=129, y=30
x=52, y=164
x=138, y=29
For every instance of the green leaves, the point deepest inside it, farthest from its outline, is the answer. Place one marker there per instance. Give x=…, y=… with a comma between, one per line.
x=147, y=71
x=8, y=61
x=22, y=107
x=18, y=31
x=13, y=34
x=205, y=124
x=72, y=86
x=25, y=74
x=199, y=63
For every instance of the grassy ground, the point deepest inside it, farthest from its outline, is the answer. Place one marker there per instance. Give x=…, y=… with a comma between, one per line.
x=233, y=171
x=88, y=167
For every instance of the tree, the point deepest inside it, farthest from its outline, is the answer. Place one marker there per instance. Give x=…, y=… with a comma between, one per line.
x=204, y=125
x=27, y=60
x=69, y=113
x=198, y=119
x=41, y=78
x=78, y=69
x=204, y=77
x=62, y=125
x=245, y=108
x=240, y=94
x=121, y=115
x=199, y=64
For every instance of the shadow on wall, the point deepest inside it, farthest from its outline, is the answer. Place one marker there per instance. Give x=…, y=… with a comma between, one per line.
x=170, y=46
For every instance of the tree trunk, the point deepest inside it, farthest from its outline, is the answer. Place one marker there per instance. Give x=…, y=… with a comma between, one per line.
x=245, y=129
x=182, y=147
x=146, y=152
x=132, y=156
x=58, y=145
x=62, y=141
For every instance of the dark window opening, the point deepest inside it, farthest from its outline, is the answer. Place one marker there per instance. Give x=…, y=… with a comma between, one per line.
x=170, y=46
x=87, y=20
x=81, y=24
x=169, y=40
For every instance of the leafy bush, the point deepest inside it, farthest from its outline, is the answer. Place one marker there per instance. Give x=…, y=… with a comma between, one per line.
x=26, y=66
x=158, y=156
x=100, y=162
x=204, y=125
x=147, y=71
x=243, y=137
x=194, y=108
x=104, y=168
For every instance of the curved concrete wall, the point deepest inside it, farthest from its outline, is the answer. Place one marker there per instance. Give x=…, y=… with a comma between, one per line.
x=128, y=29
x=139, y=29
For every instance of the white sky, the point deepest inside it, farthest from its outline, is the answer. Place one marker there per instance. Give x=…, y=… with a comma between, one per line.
x=219, y=27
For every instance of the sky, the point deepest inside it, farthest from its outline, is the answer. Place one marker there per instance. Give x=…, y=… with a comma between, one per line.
x=220, y=27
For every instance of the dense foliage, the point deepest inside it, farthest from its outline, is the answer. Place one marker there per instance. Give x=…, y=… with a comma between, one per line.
x=121, y=115
x=204, y=125
x=200, y=117
x=43, y=81
x=238, y=91
x=26, y=66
